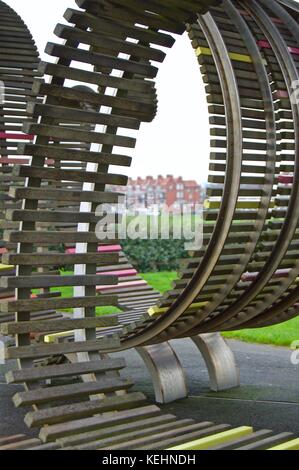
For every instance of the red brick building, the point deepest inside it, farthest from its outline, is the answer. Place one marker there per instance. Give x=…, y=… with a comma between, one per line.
x=174, y=192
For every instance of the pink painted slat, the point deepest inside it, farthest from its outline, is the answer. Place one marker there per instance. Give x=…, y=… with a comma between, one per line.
x=252, y=276
x=281, y=94
x=109, y=248
x=120, y=273
x=14, y=161
x=286, y=179
x=32, y=296
x=274, y=20
x=266, y=45
x=122, y=285
x=294, y=50
x=101, y=249
x=6, y=135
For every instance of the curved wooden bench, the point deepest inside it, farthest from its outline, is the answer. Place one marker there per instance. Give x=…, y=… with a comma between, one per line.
x=249, y=96
x=162, y=433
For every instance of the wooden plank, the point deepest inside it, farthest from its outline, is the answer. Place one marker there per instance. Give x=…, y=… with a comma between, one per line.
x=289, y=445
x=145, y=433
x=134, y=15
x=57, y=152
x=65, y=93
x=267, y=442
x=21, y=445
x=34, y=351
x=35, y=304
x=48, y=326
x=81, y=116
x=58, y=431
x=69, y=175
x=68, y=195
x=64, y=370
x=61, y=414
x=206, y=442
x=50, y=446
x=40, y=281
x=172, y=432
x=71, y=391
x=71, y=134
x=48, y=259
x=236, y=443
x=117, y=430
x=109, y=43
x=10, y=439
x=95, y=78
x=101, y=60
x=143, y=35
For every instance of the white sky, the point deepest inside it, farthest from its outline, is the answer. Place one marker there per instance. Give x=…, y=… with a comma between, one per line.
x=177, y=142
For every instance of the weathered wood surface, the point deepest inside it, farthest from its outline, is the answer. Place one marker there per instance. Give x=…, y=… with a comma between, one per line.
x=254, y=139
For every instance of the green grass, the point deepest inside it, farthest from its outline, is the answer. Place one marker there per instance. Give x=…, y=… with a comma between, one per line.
x=160, y=281
x=279, y=335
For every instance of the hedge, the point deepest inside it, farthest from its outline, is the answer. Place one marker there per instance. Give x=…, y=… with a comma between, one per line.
x=155, y=255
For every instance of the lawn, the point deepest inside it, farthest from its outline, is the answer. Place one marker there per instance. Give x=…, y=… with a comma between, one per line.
x=279, y=335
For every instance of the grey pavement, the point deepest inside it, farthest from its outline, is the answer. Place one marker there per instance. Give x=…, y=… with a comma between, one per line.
x=268, y=396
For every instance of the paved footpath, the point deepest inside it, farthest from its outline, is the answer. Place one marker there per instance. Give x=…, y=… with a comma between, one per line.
x=267, y=398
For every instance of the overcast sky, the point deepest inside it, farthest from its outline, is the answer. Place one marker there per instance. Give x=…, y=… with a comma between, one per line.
x=177, y=142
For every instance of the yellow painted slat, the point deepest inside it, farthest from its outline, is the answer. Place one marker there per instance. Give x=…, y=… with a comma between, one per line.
x=159, y=311
x=233, y=55
x=215, y=439
x=51, y=338
x=4, y=267
x=210, y=204
x=290, y=445
x=64, y=334
x=203, y=51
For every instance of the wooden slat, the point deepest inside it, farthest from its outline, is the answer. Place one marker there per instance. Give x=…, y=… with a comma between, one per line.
x=21, y=445
x=77, y=135
x=206, y=442
x=158, y=435
x=68, y=392
x=123, y=440
x=45, y=350
x=236, y=443
x=61, y=414
x=69, y=175
x=115, y=431
x=267, y=442
x=61, y=113
x=101, y=60
x=40, y=281
x=62, y=259
x=56, y=152
x=35, y=305
x=63, y=370
x=57, y=431
x=48, y=326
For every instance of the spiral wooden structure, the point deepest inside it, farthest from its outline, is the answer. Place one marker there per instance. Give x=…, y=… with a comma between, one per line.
x=18, y=68
x=246, y=274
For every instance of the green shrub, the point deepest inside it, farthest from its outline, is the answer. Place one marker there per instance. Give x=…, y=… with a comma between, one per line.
x=154, y=255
